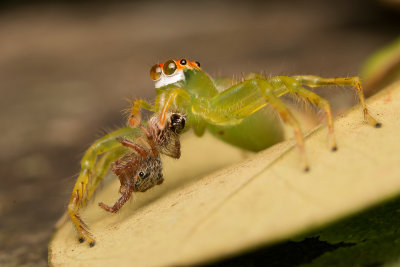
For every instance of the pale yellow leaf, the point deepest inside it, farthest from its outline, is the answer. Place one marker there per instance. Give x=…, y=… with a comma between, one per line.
x=261, y=199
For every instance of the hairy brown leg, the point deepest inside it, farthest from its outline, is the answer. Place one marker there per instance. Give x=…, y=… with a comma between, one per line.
x=126, y=194
x=140, y=150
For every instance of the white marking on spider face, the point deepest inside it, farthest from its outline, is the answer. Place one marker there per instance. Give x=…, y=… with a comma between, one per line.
x=169, y=79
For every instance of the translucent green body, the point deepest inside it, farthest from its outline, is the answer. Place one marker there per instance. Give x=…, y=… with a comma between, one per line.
x=254, y=128
x=239, y=113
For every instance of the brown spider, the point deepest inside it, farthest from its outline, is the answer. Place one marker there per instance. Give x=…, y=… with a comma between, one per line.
x=142, y=169
x=137, y=171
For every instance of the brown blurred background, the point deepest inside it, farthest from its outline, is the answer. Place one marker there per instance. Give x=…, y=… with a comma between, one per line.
x=66, y=66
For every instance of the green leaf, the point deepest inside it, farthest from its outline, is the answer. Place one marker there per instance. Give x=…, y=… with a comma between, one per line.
x=382, y=68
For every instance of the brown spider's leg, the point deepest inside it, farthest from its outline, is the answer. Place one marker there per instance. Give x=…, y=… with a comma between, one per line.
x=134, y=117
x=315, y=81
x=140, y=150
x=295, y=87
x=287, y=116
x=120, y=202
x=150, y=140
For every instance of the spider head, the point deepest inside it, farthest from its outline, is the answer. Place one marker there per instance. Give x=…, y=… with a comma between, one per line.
x=148, y=174
x=171, y=71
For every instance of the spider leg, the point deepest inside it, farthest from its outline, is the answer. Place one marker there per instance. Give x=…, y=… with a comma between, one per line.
x=86, y=182
x=231, y=106
x=294, y=86
x=101, y=169
x=120, y=202
x=134, y=117
x=315, y=81
x=128, y=188
x=176, y=97
x=323, y=104
x=150, y=141
x=140, y=150
x=288, y=118
x=73, y=210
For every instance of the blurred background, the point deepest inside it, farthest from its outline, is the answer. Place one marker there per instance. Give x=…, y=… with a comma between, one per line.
x=66, y=67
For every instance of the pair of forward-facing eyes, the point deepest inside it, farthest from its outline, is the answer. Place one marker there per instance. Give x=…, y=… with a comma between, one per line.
x=171, y=66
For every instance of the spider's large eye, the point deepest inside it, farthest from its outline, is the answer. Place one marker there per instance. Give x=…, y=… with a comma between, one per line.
x=197, y=63
x=155, y=72
x=169, y=67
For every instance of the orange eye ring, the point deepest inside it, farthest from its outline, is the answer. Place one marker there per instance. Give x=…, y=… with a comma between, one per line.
x=169, y=67
x=155, y=72
x=194, y=65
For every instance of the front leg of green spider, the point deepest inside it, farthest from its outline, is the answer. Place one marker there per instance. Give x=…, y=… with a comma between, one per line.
x=87, y=181
x=134, y=118
x=175, y=99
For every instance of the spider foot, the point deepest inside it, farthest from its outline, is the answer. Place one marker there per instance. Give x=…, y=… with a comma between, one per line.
x=106, y=208
x=371, y=120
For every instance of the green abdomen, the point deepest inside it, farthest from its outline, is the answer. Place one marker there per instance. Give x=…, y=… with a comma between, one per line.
x=256, y=132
